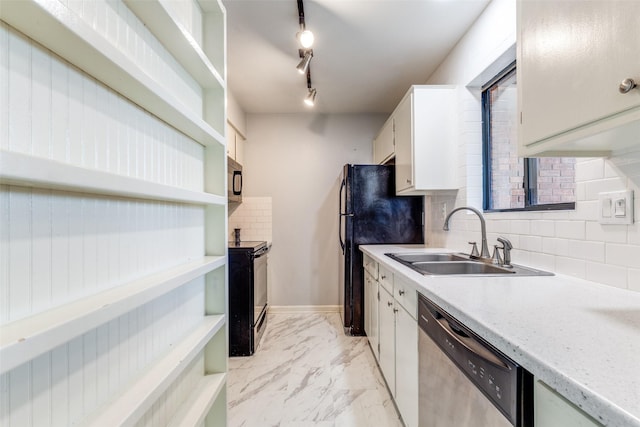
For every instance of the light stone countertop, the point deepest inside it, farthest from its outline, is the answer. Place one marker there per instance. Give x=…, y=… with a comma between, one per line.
x=579, y=337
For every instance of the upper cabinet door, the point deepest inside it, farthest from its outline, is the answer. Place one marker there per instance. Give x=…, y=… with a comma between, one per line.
x=404, y=144
x=572, y=58
x=383, y=145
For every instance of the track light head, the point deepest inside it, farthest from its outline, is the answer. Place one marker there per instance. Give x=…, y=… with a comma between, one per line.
x=306, y=38
x=303, y=65
x=310, y=100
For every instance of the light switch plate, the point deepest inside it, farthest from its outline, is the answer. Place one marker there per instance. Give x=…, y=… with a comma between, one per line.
x=616, y=207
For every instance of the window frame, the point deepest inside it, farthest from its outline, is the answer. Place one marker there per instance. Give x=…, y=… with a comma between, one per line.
x=530, y=165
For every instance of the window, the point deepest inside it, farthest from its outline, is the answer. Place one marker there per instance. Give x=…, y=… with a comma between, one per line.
x=512, y=182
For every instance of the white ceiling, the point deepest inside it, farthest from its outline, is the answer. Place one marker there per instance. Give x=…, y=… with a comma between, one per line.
x=366, y=55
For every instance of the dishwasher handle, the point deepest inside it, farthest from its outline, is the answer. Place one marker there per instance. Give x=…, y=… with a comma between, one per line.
x=469, y=343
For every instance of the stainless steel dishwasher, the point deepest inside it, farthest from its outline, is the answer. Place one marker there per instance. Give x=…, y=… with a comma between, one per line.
x=464, y=381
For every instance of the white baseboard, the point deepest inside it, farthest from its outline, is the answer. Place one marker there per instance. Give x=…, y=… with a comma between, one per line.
x=279, y=309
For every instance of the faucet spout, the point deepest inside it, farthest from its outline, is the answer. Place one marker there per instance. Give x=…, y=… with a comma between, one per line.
x=484, y=251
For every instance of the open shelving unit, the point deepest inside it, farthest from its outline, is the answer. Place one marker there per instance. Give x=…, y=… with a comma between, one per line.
x=54, y=25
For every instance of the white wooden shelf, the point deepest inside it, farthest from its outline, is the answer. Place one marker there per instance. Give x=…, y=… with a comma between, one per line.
x=60, y=30
x=129, y=406
x=26, y=339
x=178, y=41
x=195, y=409
x=30, y=171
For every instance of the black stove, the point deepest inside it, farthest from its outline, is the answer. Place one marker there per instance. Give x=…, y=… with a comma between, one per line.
x=247, y=296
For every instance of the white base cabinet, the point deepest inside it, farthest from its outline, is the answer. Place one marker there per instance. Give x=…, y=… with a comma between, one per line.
x=387, y=338
x=553, y=410
x=563, y=109
x=392, y=331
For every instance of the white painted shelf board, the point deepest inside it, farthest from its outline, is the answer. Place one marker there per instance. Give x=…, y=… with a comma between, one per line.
x=60, y=30
x=212, y=6
x=26, y=339
x=178, y=41
x=195, y=409
x=138, y=397
x=25, y=170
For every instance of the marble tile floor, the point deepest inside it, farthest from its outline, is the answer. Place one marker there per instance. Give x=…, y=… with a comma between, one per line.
x=307, y=373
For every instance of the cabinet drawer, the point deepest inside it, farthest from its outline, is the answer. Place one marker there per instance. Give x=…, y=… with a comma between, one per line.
x=385, y=278
x=406, y=296
x=370, y=266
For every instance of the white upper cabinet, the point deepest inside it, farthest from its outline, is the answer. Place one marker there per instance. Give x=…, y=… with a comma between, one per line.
x=384, y=144
x=426, y=142
x=572, y=58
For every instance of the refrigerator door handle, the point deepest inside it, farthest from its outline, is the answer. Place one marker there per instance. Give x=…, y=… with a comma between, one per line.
x=340, y=214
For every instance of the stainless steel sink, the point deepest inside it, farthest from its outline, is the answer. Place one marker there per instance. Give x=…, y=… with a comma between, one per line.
x=428, y=257
x=465, y=267
x=458, y=264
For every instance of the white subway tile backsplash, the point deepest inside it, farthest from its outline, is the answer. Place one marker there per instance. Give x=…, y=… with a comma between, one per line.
x=623, y=255
x=571, y=266
x=590, y=251
x=555, y=246
x=607, y=274
x=571, y=229
x=633, y=280
x=542, y=261
x=543, y=228
x=254, y=218
x=606, y=232
x=531, y=243
x=581, y=191
x=589, y=169
x=604, y=185
x=584, y=210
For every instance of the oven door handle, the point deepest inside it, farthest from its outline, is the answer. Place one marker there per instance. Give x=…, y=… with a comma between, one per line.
x=260, y=252
x=468, y=342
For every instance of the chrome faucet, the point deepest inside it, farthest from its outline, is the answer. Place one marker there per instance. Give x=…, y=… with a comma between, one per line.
x=484, y=251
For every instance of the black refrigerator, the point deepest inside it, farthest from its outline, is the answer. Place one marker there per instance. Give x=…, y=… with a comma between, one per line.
x=370, y=213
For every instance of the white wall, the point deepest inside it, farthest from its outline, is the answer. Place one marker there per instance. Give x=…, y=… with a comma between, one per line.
x=296, y=159
x=569, y=242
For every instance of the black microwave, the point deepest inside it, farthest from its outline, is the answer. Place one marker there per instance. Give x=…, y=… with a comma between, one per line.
x=234, y=181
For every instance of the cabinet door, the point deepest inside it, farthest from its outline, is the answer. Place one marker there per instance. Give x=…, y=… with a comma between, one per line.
x=373, y=333
x=572, y=57
x=387, y=339
x=383, y=147
x=407, y=367
x=553, y=410
x=404, y=149
x=231, y=142
x=367, y=301
x=239, y=148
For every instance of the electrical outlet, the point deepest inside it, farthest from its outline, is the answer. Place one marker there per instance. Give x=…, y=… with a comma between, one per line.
x=615, y=207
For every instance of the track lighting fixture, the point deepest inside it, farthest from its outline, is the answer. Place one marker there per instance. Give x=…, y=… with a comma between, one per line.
x=305, y=38
x=303, y=66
